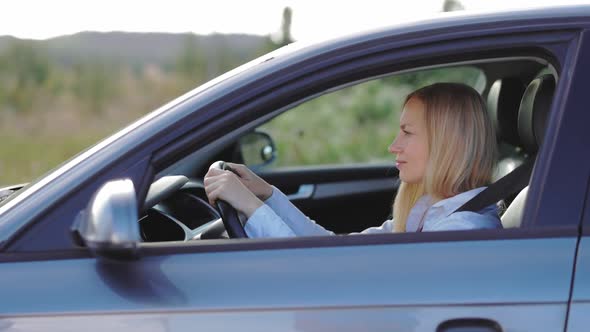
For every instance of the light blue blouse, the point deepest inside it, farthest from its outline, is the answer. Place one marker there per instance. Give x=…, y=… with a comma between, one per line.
x=278, y=217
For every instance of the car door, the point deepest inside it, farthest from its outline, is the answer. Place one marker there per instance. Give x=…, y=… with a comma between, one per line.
x=578, y=319
x=513, y=279
x=580, y=301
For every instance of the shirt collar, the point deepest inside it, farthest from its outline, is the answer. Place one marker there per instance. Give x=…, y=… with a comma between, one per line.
x=449, y=205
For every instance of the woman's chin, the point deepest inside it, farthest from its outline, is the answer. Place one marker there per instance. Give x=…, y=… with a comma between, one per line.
x=408, y=179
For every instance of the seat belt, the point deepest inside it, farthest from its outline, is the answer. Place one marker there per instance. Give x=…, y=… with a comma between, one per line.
x=511, y=183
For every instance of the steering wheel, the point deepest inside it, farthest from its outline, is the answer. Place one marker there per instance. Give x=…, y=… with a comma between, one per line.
x=229, y=215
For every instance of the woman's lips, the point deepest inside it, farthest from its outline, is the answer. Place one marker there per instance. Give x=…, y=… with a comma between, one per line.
x=399, y=163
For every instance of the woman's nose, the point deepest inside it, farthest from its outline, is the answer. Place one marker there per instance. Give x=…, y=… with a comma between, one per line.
x=395, y=147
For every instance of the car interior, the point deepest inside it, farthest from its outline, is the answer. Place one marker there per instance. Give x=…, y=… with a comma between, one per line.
x=518, y=91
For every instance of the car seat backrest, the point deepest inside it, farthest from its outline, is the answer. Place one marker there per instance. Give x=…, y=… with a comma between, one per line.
x=533, y=112
x=503, y=103
x=512, y=218
x=532, y=122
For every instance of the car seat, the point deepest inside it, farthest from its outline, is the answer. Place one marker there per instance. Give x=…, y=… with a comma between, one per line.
x=532, y=122
x=503, y=103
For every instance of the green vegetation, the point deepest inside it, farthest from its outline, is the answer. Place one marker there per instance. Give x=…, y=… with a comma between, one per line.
x=355, y=124
x=51, y=109
x=24, y=156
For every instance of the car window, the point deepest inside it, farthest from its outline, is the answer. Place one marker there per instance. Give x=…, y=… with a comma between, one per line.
x=354, y=125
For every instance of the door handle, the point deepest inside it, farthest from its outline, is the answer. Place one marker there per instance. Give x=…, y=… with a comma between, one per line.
x=469, y=324
x=304, y=192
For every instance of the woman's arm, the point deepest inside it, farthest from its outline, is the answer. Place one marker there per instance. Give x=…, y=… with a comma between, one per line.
x=244, y=191
x=292, y=216
x=265, y=223
x=276, y=217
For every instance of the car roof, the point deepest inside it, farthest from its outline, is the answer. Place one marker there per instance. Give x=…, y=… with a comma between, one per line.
x=447, y=21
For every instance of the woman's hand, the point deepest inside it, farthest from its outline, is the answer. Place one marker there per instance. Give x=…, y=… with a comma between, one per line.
x=257, y=186
x=225, y=185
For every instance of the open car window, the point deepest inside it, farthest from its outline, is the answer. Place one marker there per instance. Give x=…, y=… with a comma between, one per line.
x=353, y=125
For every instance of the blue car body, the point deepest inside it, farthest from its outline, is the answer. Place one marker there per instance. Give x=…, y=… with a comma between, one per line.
x=532, y=278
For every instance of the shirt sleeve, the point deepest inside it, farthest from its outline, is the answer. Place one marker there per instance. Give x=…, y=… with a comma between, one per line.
x=465, y=220
x=293, y=217
x=264, y=222
x=302, y=225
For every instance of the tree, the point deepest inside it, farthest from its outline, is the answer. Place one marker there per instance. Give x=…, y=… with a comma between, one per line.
x=95, y=84
x=24, y=70
x=286, y=26
x=190, y=63
x=452, y=5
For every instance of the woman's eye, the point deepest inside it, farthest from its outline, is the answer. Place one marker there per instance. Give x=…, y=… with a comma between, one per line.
x=406, y=132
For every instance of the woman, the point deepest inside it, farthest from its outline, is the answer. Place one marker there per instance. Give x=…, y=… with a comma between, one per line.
x=445, y=153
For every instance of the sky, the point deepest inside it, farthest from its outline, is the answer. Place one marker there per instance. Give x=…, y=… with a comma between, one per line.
x=40, y=19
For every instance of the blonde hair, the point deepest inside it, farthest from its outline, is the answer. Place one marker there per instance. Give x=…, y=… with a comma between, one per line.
x=461, y=145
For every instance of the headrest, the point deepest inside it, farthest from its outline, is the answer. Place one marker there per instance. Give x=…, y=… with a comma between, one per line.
x=503, y=105
x=534, y=110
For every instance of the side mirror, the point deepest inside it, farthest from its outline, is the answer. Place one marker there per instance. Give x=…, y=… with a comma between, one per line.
x=257, y=149
x=109, y=225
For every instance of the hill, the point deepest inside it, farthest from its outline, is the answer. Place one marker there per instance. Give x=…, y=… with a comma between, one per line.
x=141, y=48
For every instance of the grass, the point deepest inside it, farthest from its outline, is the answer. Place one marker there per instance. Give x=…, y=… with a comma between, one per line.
x=23, y=158
x=352, y=125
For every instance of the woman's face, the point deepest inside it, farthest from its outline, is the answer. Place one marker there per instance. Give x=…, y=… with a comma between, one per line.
x=411, y=144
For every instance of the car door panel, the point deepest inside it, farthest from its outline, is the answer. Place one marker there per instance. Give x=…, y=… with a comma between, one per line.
x=578, y=319
x=380, y=287
x=385, y=319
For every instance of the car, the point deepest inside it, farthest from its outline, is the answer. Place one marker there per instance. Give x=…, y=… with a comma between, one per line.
x=122, y=237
